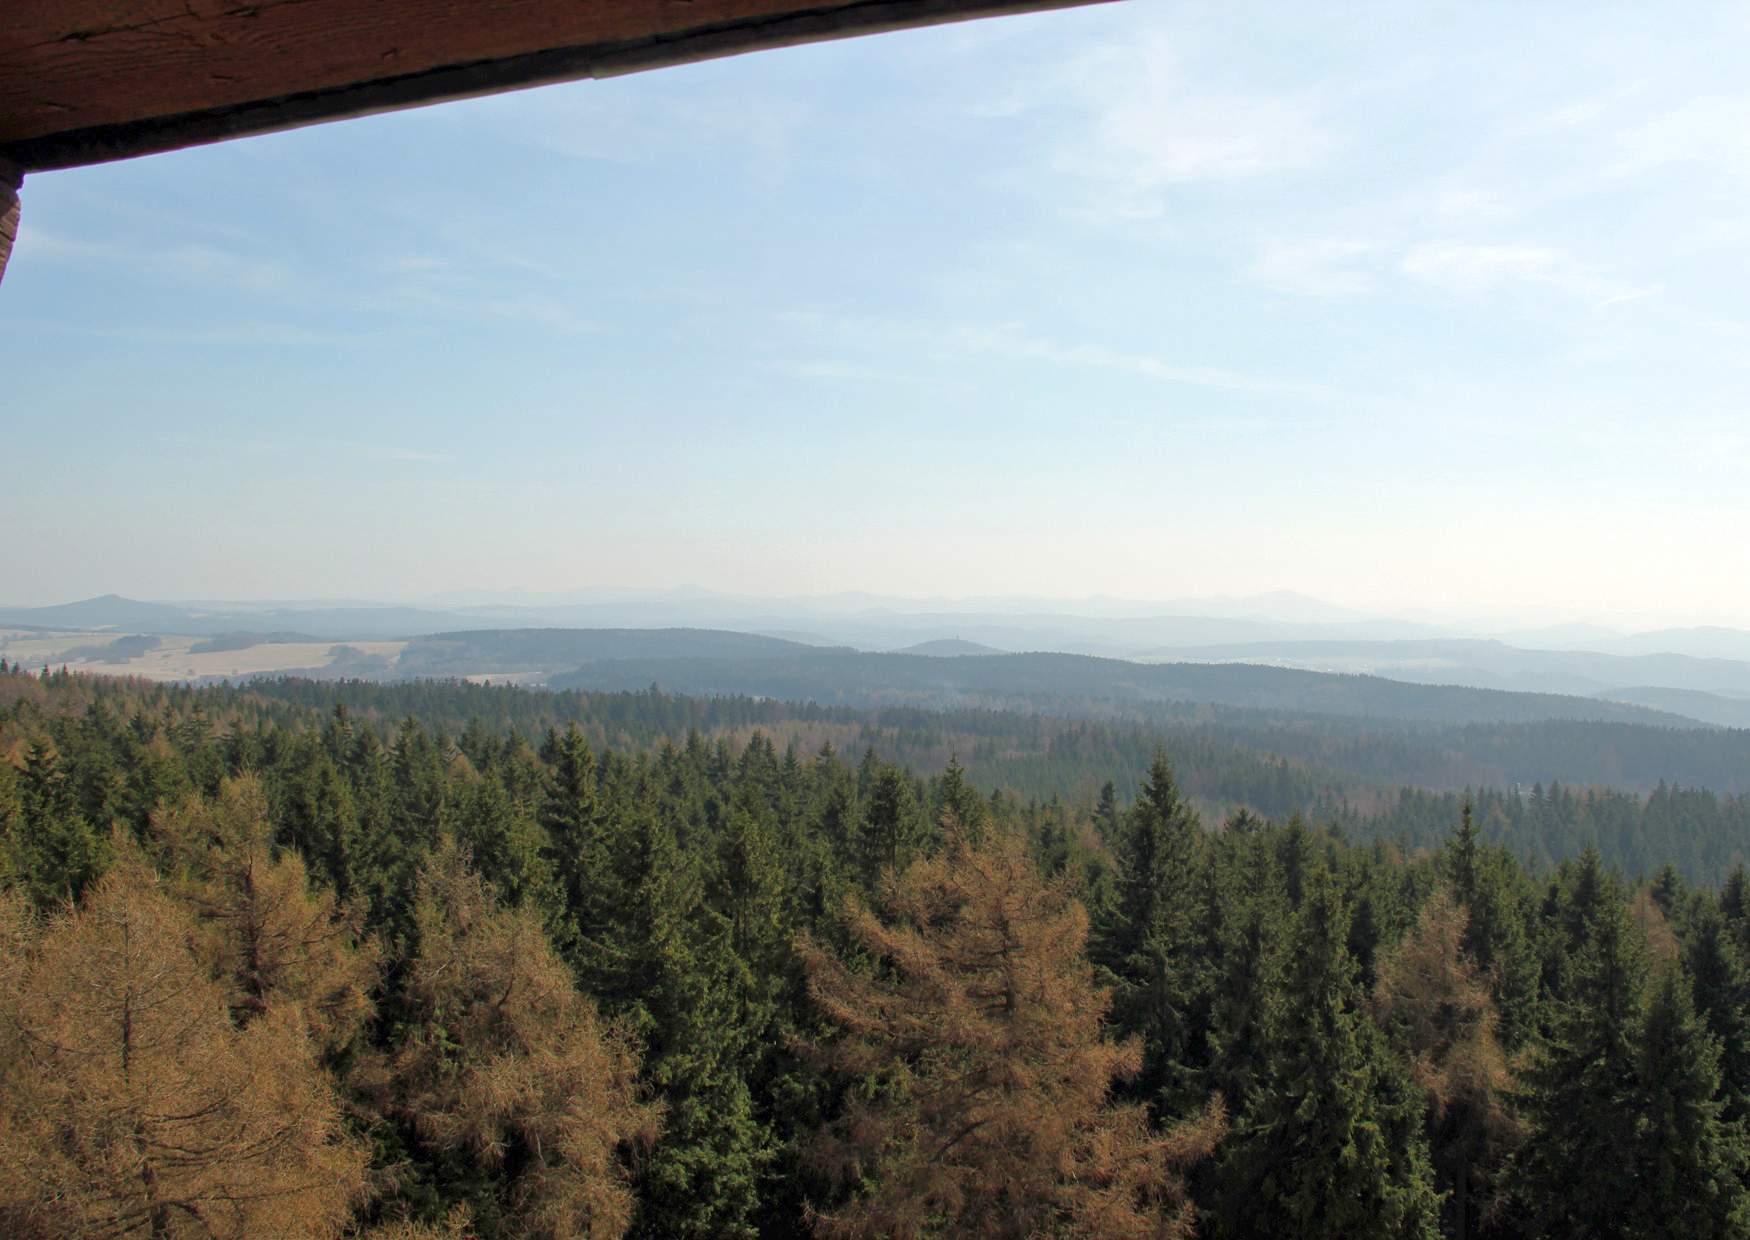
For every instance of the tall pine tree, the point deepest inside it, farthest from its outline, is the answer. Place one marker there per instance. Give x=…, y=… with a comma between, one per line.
x=1330, y=1145
x=1147, y=946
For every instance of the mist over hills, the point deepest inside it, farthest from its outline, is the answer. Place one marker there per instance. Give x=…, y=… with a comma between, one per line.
x=1671, y=676
x=474, y=652
x=1084, y=685
x=1089, y=626
x=1486, y=664
x=113, y=613
x=1378, y=712
x=1726, y=712
x=108, y=611
x=949, y=648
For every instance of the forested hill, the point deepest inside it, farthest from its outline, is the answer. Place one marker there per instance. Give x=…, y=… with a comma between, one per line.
x=451, y=654
x=270, y=966
x=1085, y=685
x=1044, y=754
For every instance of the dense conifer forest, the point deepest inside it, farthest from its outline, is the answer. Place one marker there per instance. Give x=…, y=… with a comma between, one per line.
x=437, y=960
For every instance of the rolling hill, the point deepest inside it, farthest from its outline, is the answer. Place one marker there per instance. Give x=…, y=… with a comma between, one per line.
x=1081, y=685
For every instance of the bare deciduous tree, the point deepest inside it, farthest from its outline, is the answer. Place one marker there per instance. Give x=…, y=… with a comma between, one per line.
x=975, y=1034
x=131, y=1104
x=507, y=1060
x=271, y=939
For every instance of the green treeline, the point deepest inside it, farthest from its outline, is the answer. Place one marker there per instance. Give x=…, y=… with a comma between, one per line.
x=1705, y=837
x=286, y=966
x=1370, y=779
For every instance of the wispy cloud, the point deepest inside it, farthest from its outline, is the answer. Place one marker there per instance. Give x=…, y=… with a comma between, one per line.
x=831, y=370
x=1479, y=269
x=1623, y=298
x=1580, y=113
x=1707, y=131
x=1014, y=343
x=1327, y=268
x=424, y=301
x=635, y=123
x=266, y=335
x=1152, y=125
x=192, y=262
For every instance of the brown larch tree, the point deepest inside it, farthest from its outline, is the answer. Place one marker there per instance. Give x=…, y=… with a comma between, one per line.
x=270, y=938
x=1438, y=1012
x=507, y=1061
x=132, y=1105
x=973, y=1033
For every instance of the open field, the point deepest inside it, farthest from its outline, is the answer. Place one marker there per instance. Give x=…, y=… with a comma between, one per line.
x=175, y=658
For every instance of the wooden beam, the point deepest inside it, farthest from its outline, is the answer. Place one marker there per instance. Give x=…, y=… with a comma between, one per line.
x=11, y=177
x=85, y=81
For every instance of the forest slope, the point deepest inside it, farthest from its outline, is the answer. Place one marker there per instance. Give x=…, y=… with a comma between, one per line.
x=1084, y=685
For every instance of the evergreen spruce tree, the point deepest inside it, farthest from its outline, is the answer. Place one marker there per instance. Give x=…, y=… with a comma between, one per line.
x=1735, y=905
x=390, y=852
x=51, y=850
x=1722, y=999
x=1578, y=1167
x=1488, y=886
x=958, y=797
x=683, y=990
x=892, y=832
x=575, y=823
x=510, y=850
x=1106, y=813
x=1053, y=840
x=1331, y=1143
x=1246, y=997
x=748, y=892
x=153, y=774
x=318, y=820
x=1148, y=940
x=1294, y=859
x=1689, y=1177
x=417, y=779
x=1669, y=891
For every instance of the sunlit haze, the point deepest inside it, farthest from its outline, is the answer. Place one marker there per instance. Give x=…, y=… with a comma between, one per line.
x=1428, y=310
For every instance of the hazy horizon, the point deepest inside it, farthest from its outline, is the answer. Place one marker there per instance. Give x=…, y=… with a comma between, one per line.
x=1421, y=313
x=1281, y=605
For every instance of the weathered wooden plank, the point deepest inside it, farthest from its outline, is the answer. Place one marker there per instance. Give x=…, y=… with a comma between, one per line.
x=11, y=177
x=87, y=80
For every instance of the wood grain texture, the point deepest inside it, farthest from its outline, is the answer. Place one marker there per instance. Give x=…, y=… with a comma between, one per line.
x=11, y=177
x=87, y=80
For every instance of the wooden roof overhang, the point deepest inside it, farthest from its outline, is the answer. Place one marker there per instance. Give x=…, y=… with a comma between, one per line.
x=86, y=81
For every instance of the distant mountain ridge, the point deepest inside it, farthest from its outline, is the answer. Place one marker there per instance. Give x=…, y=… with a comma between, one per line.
x=1086, y=685
x=473, y=651
x=107, y=611
x=949, y=648
x=1323, y=638
x=1726, y=712
x=112, y=613
x=1488, y=664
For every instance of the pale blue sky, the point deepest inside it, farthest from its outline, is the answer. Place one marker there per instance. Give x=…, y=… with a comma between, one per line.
x=1397, y=305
